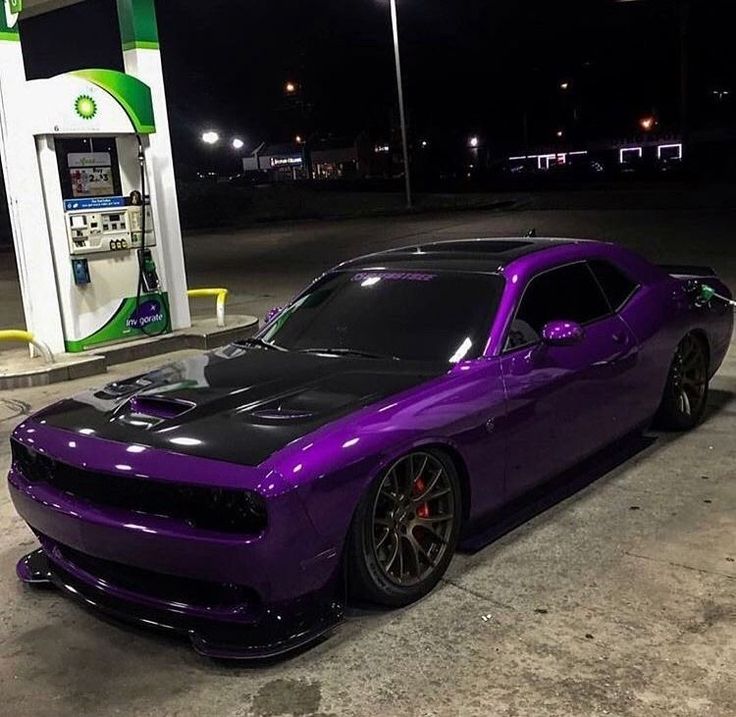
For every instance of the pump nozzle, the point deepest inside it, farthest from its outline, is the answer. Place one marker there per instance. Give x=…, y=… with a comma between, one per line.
x=708, y=293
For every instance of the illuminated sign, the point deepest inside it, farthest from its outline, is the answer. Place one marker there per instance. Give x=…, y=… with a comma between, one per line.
x=286, y=161
x=669, y=151
x=544, y=161
x=625, y=154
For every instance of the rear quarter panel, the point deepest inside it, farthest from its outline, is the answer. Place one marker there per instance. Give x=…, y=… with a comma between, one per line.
x=660, y=314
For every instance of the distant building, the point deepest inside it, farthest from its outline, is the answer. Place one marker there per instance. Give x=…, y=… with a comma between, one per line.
x=338, y=158
x=657, y=152
x=279, y=162
x=325, y=158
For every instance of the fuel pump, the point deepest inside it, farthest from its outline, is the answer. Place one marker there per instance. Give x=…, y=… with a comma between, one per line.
x=87, y=231
x=102, y=224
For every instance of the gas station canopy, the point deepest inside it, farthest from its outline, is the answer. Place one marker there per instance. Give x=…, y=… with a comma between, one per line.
x=38, y=7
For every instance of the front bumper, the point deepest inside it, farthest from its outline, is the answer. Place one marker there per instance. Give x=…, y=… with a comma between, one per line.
x=278, y=631
x=234, y=596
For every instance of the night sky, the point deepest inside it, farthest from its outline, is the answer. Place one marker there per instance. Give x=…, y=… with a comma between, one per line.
x=470, y=66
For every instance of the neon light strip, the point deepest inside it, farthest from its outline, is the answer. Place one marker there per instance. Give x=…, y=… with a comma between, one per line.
x=623, y=150
x=677, y=146
x=545, y=158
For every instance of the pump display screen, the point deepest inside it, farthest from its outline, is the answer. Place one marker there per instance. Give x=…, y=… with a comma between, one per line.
x=91, y=174
x=88, y=167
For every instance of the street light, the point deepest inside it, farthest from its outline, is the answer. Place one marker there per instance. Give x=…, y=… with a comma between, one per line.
x=474, y=142
x=565, y=85
x=647, y=123
x=400, y=91
x=238, y=143
x=290, y=88
x=210, y=137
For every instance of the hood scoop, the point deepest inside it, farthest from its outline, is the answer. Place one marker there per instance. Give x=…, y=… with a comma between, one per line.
x=304, y=405
x=281, y=414
x=157, y=407
x=147, y=412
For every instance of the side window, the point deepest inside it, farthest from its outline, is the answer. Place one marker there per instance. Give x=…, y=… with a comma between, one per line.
x=616, y=285
x=570, y=292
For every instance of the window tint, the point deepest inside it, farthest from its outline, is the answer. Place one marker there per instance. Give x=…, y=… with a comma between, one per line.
x=570, y=292
x=616, y=285
x=423, y=316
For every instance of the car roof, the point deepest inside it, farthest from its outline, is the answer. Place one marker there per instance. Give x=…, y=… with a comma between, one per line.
x=475, y=255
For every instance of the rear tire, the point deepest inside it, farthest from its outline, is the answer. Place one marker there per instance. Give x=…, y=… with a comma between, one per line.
x=405, y=530
x=686, y=392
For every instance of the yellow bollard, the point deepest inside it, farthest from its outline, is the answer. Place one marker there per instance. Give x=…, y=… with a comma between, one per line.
x=28, y=338
x=220, y=294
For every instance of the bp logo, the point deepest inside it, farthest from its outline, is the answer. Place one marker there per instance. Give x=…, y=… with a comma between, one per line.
x=85, y=106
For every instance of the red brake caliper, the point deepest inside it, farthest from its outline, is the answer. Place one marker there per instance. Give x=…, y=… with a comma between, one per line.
x=419, y=487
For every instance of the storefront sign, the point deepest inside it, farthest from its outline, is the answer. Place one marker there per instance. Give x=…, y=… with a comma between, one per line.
x=286, y=161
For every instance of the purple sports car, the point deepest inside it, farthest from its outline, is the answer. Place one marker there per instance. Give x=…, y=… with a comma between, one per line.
x=399, y=403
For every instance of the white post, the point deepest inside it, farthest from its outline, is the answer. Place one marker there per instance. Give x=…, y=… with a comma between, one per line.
x=25, y=194
x=402, y=113
x=142, y=59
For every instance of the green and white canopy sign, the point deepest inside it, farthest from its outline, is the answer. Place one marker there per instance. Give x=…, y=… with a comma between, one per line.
x=89, y=101
x=9, y=20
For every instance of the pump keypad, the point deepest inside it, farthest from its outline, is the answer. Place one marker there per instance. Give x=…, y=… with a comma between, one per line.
x=109, y=231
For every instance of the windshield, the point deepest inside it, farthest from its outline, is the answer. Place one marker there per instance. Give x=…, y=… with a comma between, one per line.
x=420, y=316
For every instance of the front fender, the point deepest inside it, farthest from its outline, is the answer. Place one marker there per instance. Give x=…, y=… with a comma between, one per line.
x=331, y=500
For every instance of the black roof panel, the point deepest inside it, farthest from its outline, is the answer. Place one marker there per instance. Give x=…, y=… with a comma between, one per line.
x=463, y=255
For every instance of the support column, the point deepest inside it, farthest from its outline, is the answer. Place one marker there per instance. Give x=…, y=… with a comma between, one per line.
x=25, y=193
x=142, y=59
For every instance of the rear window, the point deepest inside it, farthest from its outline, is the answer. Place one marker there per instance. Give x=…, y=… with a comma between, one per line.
x=616, y=285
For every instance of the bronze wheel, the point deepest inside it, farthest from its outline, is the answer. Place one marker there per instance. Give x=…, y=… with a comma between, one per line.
x=405, y=529
x=686, y=394
x=413, y=518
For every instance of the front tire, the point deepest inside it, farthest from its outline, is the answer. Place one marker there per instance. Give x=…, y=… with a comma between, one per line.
x=405, y=530
x=686, y=393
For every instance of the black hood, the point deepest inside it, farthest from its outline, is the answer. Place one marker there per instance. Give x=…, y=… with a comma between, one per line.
x=237, y=404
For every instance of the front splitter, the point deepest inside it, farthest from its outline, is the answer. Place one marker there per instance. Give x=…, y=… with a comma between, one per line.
x=280, y=631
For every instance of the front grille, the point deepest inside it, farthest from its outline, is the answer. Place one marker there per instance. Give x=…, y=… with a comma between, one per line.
x=218, y=509
x=167, y=588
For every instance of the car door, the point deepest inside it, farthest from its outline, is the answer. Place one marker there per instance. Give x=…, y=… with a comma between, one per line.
x=564, y=402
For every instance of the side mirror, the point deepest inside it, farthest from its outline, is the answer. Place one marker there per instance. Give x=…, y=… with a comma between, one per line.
x=562, y=333
x=271, y=314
